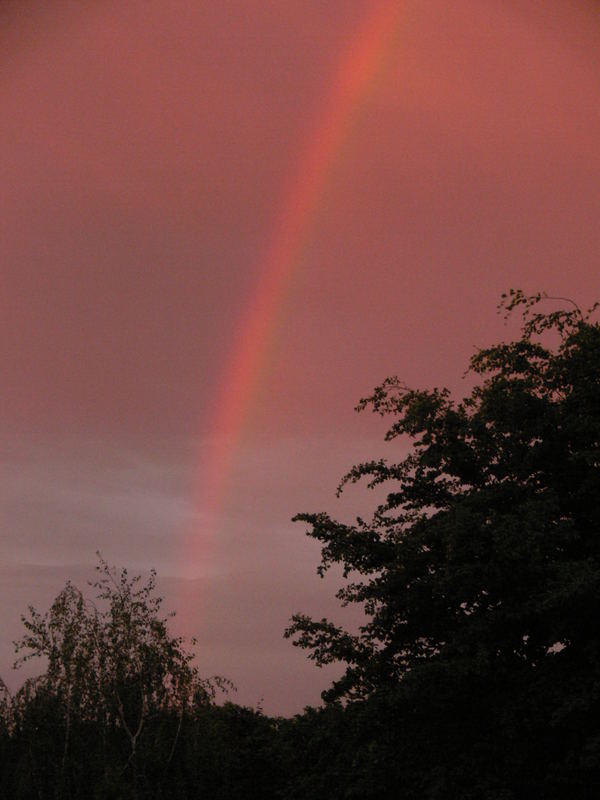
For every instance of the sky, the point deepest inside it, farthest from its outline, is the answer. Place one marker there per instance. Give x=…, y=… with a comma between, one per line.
x=222, y=224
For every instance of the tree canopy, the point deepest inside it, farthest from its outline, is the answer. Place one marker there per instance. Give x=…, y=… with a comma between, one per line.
x=116, y=683
x=476, y=671
x=484, y=557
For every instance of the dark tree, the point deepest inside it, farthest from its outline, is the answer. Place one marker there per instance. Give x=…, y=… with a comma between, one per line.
x=110, y=705
x=120, y=712
x=480, y=572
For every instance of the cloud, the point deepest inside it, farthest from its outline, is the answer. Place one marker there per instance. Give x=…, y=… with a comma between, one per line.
x=138, y=505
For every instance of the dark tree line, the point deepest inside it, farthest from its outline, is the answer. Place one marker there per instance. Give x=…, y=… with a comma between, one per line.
x=476, y=673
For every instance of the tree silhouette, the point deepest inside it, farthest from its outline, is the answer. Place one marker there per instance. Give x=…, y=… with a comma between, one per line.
x=114, y=673
x=487, y=548
x=479, y=574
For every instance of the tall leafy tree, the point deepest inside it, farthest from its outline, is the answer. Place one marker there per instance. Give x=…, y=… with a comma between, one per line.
x=476, y=673
x=484, y=558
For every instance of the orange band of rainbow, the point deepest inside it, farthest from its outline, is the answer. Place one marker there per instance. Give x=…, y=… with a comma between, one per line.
x=352, y=84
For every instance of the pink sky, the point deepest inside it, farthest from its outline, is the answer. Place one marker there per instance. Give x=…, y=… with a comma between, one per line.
x=150, y=154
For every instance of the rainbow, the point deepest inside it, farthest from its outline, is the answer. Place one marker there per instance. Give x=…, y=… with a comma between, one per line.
x=352, y=84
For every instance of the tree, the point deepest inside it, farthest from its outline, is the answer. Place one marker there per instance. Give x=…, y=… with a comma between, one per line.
x=113, y=672
x=479, y=574
x=487, y=547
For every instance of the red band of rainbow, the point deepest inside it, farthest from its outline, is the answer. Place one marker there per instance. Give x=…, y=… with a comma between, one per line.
x=352, y=84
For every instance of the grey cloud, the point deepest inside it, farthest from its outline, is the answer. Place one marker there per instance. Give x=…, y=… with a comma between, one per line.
x=61, y=502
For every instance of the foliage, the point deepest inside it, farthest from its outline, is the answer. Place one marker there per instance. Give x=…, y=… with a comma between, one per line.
x=486, y=548
x=120, y=710
x=100, y=649
x=114, y=675
x=479, y=573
